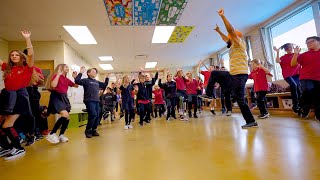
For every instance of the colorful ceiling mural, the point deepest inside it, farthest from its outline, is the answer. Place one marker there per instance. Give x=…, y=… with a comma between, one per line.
x=171, y=11
x=146, y=12
x=119, y=12
x=180, y=34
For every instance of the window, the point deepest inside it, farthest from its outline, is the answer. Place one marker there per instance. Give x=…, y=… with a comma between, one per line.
x=293, y=29
x=226, y=59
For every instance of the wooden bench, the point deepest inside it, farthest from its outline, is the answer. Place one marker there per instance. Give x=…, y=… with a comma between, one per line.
x=78, y=118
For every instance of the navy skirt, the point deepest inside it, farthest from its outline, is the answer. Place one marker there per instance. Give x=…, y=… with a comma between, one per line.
x=15, y=102
x=58, y=102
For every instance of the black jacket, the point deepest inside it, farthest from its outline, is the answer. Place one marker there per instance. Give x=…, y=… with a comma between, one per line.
x=170, y=89
x=109, y=99
x=91, y=87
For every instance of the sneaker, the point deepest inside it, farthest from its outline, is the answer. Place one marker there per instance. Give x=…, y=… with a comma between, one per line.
x=5, y=152
x=195, y=116
x=182, y=117
x=63, y=138
x=213, y=112
x=126, y=127
x=130, y=126
x=229, y=113
x=264, y=116
x=253, y=106
x=250, y=125
x=15, y=154
x=296, y=110
x=30, y=140
x=185, y=118
x=22, y=141
x=53, y=138
x=88, y=133
x=140, y=124
x=39, y=137
x=95, y=133
x=304, y=114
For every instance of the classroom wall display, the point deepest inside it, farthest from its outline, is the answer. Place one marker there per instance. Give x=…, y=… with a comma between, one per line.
x=171, y=11
x=119, y=11
x=146, y=12
x=180, y=34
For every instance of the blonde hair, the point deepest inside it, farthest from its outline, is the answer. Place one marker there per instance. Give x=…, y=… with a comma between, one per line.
x=257, y=61
x=49, y=79
x=123, y=79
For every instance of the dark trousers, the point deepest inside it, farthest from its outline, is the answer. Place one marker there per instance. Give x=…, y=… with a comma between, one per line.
x=143, y=109
x=128, y=116
x=262, y=101
x=192, y=100
x=252, y=95
x=149, y=111
x=311, y=96
x=236, y=84
x=295, y=87
x=226, y=100
x=161, y=109
x=93, y=115
x=171, y=104
x=238, y=88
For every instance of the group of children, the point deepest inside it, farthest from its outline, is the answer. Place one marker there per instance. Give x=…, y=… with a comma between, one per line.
x=20, y=98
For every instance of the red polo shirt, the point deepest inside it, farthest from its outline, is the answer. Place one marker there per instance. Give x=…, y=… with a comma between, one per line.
x=287, y=70
x=259, y=77
x=310, y=65
x=206, y=75
x=19, y=77
x=192, y=86
x=180, y=83
x=158, y=96
x=63, y=84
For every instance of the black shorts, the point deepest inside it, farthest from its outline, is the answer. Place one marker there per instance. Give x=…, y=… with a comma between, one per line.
x=15, y=102
x=58, y=102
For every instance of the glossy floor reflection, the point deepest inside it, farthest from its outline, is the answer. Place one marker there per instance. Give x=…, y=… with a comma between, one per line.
x=203, y=149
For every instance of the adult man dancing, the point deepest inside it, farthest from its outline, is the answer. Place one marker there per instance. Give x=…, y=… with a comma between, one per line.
x=238, y=70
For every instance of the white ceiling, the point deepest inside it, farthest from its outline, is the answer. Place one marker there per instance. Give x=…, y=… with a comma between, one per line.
x=46, y=17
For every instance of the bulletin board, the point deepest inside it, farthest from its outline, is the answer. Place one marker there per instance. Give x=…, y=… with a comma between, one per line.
x=171, y=11
x=119, y=11
x=146, y=12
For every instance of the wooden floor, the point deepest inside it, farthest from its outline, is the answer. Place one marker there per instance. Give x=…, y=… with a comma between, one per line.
x=203, y=149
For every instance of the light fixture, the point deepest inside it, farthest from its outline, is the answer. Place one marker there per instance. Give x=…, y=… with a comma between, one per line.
x=106, y=58
x=150, y=65
x=106, y=66
x=81, y=34
x=162, y=34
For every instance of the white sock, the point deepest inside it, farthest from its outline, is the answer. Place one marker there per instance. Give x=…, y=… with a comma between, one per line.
x=212, y=108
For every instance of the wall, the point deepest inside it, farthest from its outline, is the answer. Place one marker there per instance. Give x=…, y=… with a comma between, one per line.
x=43, y=50
x=3, y=56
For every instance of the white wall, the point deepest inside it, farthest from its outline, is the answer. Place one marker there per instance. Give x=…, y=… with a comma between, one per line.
x=43, y=50
x=3, y=56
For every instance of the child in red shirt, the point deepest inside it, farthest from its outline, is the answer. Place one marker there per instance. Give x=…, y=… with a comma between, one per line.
x=192, y=86
x=158, y=101
x=290, y=74
x=309, y=75
x=259, y=75
x=14, y=100
x=58, y=84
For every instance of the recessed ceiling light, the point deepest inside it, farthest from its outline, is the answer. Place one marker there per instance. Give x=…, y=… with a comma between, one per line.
x=150, y=65
x=106, y=58
x=106, y=66
x=81, y=34
x=162, y=34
